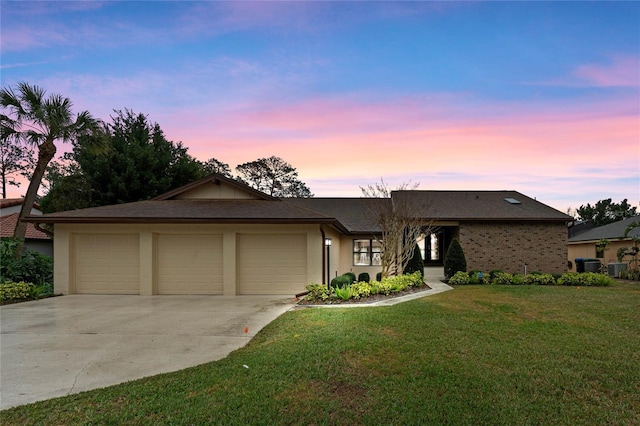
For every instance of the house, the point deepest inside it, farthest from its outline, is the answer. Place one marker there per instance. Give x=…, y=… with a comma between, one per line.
x=218, y=236
x=35, y=239
x=584, y=245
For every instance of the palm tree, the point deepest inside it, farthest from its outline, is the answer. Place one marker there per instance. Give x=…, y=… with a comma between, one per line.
x=30, y=118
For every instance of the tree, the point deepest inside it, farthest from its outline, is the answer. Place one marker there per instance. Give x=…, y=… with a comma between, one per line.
x=606, y=211
x=14, y=159
x=416, y=263
x=454, y=260
x=31, y=118
x=399, y=227
x=139, y=163
x=274, y=177
x=213, y=165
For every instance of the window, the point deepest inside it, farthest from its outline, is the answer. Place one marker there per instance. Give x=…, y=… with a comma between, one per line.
x=366, y=253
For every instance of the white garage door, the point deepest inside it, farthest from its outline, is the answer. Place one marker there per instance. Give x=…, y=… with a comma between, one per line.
x=107, y=264
x=272, y=264
x=189, y=264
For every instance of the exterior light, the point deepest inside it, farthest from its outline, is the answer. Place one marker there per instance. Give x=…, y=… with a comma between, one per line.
x=327, y=242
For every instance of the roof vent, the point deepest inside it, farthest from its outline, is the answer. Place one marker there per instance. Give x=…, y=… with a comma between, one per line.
x=512, y=201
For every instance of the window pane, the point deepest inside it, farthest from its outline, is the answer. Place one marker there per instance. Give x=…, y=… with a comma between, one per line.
x=375, y=255
x=361, y=252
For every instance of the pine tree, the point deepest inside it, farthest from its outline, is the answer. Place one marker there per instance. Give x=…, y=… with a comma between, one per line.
x=454, y=260
x=415, y=263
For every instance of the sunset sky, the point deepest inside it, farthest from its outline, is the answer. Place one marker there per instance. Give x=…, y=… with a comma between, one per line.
x=537, y=97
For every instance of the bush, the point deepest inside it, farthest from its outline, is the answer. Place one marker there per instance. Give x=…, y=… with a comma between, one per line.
x=351, y=275
x=317, y=292
x=341, y=281
x=585, y=279
x=454, y=260
x=379, y=276
x=32, y=267
x=630, y=274
x=343, y=293
x=502, y=278
x=539, y=279
x=364, y=277
x=459, y=278
x=415, y=264
x=360, y=289
x=11, y=291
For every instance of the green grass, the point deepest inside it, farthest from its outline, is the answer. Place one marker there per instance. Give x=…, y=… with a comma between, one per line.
x=478, y=355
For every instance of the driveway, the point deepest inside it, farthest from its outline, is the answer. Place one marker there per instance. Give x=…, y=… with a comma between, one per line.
x=69, y=344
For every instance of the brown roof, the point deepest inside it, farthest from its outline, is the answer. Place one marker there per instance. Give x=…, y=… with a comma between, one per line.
x=355, y=214
x=8, y=224
x=480, y=206
x=190, y=211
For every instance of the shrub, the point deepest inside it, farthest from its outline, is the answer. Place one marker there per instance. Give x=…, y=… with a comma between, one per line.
x=502, y=278
x=539, y=279
x=317, y=292
x=364, y=277
x=415, y=264
x=493, y=273
x=517, y=279
x=360, y=289
x=585, y=279
x=31, y=267
x=630, y=274
x=454, y=260
x=343, y=293
x=459, y=278
x=351, y=275
x=379, y=276
x=341, y=281
x=20, y=291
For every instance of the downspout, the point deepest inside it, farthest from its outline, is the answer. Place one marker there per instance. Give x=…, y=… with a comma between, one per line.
x=41, y=229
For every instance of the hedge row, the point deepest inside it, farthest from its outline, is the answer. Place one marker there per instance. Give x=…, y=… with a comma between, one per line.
x=588, y=279
x=11, y=291
x=361, y=289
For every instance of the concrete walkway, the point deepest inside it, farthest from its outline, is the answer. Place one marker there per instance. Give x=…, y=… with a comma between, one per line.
x=69, y=344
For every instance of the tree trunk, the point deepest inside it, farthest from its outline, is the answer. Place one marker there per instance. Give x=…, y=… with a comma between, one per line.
x=46, y=152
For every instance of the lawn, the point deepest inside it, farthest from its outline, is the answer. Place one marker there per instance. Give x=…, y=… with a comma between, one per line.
x=475, y=355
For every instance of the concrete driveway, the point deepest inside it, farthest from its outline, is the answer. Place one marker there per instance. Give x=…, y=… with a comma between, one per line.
x=69, y=344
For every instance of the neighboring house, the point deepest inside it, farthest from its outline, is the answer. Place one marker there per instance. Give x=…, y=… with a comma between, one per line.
x=584, y=244
x=34, y=239
x=218, y=236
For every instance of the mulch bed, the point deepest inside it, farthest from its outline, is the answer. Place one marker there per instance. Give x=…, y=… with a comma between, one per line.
x=364, y=300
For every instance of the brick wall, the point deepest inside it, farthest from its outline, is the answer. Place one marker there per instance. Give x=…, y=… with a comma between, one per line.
x=508, y=246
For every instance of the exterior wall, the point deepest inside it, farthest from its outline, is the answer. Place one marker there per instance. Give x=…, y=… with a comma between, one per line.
x=213, y=191
x=509, y=246
x=64, y=250
x=587, y=249
x=41, y=246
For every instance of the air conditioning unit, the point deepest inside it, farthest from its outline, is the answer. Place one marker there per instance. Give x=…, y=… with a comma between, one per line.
x=614, y=269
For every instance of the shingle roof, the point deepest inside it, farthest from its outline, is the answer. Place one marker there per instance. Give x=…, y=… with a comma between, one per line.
x=8, y=224
x=611, y=231
x=10, y=202
x=480, y=205
x=200, y=211
x=353, y=213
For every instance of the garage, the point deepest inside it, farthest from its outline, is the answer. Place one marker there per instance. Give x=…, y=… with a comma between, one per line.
x=107, y=263
x=189, y=264
x=272, y=264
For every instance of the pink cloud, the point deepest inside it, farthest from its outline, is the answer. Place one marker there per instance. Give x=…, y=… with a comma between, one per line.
x=622, y=71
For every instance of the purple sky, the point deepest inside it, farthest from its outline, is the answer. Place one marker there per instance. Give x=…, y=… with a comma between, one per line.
x=538, y=97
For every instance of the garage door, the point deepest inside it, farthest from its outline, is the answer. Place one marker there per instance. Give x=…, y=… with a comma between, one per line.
x=189, y=264
x=107, y=264
x=272, y=264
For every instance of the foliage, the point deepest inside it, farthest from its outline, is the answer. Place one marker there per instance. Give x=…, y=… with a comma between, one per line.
x=606, y=211
x=30, y=266
x=398, y=224
x=317, y=292
x=454, y=259
x=364, y=277
x=213, y=165
x=38, y=121
x=342, y=280
x=351, y=276
x=140, y=163
x=14, y=159
x=539, y=279
x=360, y=289
x=585, y=279
x=274, y=177
x=344, y=292
x=501, y=278
x=459, y=278
x=630, y=274
x=415, y=263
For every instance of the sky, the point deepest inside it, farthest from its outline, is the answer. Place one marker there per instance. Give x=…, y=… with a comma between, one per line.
x=538, y=97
